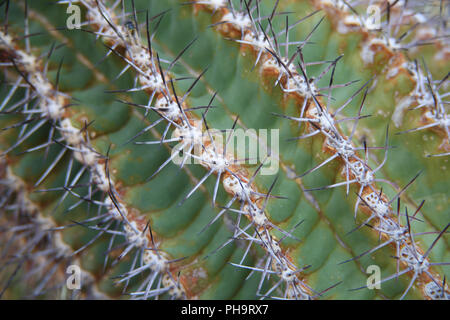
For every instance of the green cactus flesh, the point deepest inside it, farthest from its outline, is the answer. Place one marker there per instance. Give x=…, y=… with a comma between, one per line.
x=84, y=198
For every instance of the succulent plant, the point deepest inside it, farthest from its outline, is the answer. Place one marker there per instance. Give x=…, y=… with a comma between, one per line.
x=224, y=149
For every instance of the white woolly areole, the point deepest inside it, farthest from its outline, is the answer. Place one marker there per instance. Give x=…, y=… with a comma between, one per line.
x=100, y=178
x=380, y=207
x=395, y=232
x=108, y=33
x=176, y=290
x=71, y=134
x=170, y=110
x=258, y=216
x=240, y=19
x=325, y=122
x=96, y=17
x=342, y=146
x=298, y=84
x=436, y=292
x=86, y=156
x=214, y=160
x=152, y=81
x=258, y=41
x=51, y=108
x=239, y=189
x=40, y=84
x=363, y=174
x=367, y=54
x=158, y=262
x=139, y=55
x=138, y=238
x=287, y=275
x=112, y=209
x=29, y=62
x=414, y=259
x=348, y=24
x=270, y=243
x=273, y=63
x=6, y=40
x=191, y=135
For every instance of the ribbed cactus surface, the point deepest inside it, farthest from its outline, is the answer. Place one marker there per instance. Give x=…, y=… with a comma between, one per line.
x=224, y=149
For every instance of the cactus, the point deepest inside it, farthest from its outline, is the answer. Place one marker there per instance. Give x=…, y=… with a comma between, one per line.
x=119, y=177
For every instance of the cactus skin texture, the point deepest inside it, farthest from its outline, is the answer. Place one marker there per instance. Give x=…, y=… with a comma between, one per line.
x=90, y=118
